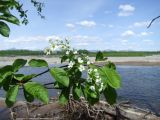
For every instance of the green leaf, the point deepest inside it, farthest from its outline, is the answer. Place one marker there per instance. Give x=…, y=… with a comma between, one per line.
x=19, y=77
x=11, y=95
x=60, y=76
x=111, y=65
x=37, y=90
x=64, y=96
x=1, y=80
x=64, y=58
x=58, y=85
x=6, y=73
x=28, y=96
x=76, y=92
x=110, y=76
x=28, y=77
x=91, y=96
x=110, y=95
x=38, y=63
x=10, y=18
x=18, y=63
x=4, y=10
x=99, y=56
x=5, y=69
x=4, y=29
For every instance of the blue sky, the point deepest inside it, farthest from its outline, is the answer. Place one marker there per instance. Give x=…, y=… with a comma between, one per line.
x=90, y=24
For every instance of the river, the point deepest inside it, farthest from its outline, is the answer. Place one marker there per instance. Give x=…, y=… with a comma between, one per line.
x=140, y=85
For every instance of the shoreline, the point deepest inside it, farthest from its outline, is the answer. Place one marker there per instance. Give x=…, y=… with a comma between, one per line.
x=132, y=61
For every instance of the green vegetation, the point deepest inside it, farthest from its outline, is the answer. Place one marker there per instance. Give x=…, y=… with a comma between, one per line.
x=7, y=6
x=92, y=54
x=20, y=52
x=68, y=78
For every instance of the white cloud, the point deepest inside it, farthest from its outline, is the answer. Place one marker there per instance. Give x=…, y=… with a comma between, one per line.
x=126, y=10
x=85, y=38
x=87, y=23
x=145, y=33
x=128, y=33
x=70, y=25
x=31, y=39
x=140, y=24
x=124, y=42
x=110, y=26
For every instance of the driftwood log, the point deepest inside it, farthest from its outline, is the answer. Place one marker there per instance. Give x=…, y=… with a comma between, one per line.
x=77, y=110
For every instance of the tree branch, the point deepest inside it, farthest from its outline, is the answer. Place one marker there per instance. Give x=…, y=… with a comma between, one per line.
x=48, y=71
x=152, y=21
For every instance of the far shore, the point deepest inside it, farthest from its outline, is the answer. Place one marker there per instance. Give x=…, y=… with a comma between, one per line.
x=153, y=60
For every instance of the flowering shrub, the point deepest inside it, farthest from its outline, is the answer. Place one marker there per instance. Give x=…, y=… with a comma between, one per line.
x=100, y=80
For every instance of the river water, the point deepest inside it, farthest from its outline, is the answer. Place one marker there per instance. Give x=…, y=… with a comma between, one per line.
x=140, y=85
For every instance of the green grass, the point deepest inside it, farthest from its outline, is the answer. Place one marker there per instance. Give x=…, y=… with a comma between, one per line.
x=93, y=54
x=20, y=52
x=126, y=53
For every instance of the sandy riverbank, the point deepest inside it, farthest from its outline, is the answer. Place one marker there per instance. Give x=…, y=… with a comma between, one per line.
x=148, y=60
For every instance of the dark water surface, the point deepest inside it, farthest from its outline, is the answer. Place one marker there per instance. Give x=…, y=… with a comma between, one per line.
x=140, y=85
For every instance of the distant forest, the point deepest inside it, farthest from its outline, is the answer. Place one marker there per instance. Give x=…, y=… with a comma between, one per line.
x=90, y=53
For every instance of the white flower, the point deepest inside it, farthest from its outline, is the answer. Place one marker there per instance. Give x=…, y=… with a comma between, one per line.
x=80, y=60
x=101, y=87
x=95, y=70
x=98, y=81
x=52, y=49
x=90, y=70
x=92, y=88
x=48, y=53
x=81, y=68
x=70, y=65
x=88, y=62
x=67, y=52
x=75, y=52
x=87, y=57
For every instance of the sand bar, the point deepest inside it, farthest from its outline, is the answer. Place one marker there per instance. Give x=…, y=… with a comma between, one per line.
x=147, y=61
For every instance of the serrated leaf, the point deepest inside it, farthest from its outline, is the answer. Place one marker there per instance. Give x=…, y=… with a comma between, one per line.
x=38, y=63
x=4, y=29
x=19, y=63
x=76, y=92
x=64, y=96
x=37, y=90
x=10, y=18
x=60, y=76
x=110, y=76
x=11, y=95
x=110, y=95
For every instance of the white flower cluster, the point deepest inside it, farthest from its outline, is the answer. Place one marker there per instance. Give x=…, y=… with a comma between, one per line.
x=57, y=44
x=93, y=77
x=77, y=60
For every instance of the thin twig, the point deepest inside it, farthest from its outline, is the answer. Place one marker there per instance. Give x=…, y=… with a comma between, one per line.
x=41, y=73
x=152, y=21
